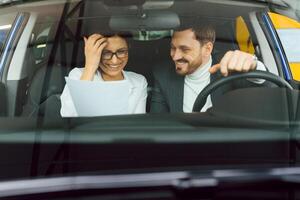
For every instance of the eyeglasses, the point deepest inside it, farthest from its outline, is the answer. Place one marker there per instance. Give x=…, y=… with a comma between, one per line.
x=107, y=55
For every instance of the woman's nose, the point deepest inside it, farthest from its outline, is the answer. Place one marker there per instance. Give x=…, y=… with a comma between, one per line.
x=114, y=58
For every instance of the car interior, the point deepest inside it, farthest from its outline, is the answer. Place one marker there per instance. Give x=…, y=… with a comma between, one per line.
x=55, y=45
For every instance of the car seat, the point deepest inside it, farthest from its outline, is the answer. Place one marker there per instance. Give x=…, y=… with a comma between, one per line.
x=43, y=95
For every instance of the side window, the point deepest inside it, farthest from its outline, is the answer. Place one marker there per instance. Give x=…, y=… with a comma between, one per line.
x=40, y=46
x=6, y=22
x=288, y=31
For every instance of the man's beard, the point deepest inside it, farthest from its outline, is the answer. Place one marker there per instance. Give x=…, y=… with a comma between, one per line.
x=180, y=65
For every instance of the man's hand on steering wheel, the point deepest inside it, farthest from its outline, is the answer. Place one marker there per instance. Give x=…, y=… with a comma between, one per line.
x=235, y=61
x=201, y=98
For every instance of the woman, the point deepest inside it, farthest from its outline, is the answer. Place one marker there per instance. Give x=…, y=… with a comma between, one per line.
x=105, y=59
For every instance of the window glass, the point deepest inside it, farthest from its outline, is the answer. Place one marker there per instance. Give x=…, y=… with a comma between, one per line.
x=288, y=31
x=149, y=46
x=289, y=39
x=244, y=126
x=6, y=22
x=40, y=47
x=56, y=50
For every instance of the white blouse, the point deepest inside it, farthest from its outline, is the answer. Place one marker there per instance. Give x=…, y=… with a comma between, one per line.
x=137, y=97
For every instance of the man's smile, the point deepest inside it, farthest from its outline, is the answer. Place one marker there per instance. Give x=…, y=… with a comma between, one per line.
x=180, y=63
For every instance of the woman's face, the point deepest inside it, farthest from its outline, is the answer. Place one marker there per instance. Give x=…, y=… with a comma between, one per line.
x=114, y=58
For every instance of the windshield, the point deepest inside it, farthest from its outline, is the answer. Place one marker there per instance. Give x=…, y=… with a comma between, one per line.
x=98, y=87
x=144, y=66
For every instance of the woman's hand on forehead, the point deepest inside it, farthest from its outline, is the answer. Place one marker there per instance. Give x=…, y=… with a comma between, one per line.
x=93, y=47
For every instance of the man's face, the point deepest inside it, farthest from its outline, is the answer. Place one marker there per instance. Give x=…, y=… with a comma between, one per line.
x=186, y=52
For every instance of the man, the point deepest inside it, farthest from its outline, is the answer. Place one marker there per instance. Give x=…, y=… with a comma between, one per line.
x=175, y=90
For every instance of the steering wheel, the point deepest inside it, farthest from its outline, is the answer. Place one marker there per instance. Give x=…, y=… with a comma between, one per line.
x=201, y=98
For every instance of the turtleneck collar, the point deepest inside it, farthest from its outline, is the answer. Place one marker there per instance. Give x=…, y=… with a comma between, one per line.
x=202, y=72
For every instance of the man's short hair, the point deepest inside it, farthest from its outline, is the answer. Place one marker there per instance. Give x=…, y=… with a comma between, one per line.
x=204, y=28
x=204, y=34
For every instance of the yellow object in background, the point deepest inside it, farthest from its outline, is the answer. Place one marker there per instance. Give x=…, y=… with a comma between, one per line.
x=295, y=69
x=243, y=36
x=281, y=22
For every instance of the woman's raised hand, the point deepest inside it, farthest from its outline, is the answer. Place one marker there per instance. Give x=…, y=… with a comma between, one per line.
x=93, y=47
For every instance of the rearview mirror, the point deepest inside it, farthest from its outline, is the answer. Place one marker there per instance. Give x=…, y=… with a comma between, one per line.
x=154, y=20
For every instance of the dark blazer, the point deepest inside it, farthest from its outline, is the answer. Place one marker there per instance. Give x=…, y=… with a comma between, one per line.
x=167, y=93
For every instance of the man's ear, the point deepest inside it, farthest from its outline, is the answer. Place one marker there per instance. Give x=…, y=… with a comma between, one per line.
x=208, y=48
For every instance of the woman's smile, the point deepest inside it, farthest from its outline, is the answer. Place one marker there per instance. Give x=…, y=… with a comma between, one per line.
x=113, y=67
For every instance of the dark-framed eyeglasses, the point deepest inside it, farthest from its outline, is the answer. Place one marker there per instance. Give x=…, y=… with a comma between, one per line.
x=107, y=55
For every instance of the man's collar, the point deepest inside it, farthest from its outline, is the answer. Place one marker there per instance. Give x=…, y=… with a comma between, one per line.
x=201, y=71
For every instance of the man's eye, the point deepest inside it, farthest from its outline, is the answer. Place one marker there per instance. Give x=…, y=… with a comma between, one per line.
x=185, y=49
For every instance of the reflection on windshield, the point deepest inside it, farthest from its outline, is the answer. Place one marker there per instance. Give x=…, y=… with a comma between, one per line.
x=205, y=88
